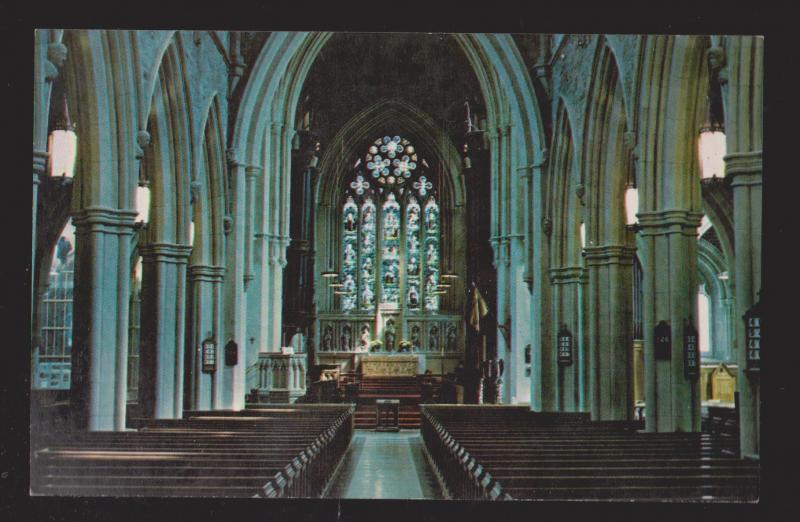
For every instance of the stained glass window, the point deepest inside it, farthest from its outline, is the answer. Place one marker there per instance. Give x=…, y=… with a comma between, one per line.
x=390, y=251
x=431, y=256
x=413, y=253
x=390, y=246
x=367, y=279
x=350, y=254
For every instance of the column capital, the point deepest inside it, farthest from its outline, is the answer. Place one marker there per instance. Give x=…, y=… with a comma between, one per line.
x=252, y=171
x=207, y=273
x=165, y=253
x=103, y=219
x=609, y=255
x=566, y=275
x=40, y=158
x=744, y=168
x=669, y=221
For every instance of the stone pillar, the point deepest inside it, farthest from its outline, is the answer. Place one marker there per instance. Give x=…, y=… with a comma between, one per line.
x=39, y=170
x=610, y=342
x=163, y=329
x=745, y=171
x=503, y=265
x=251, y=173
x=277, y=262
x=206, y=282
x=233, y=377
x=100, y=304
x=668, y=247
x=566, y=283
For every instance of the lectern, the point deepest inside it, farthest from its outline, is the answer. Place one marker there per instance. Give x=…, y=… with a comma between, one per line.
x=387, y=413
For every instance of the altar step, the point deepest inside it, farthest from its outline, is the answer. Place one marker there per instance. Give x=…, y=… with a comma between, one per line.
x=404, y=389
x=365, y=417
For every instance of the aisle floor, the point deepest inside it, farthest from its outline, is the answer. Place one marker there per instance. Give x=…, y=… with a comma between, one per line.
x=385, y=465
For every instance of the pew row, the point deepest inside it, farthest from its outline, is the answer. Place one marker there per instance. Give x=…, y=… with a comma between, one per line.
x=505, y=453
x=268, y=452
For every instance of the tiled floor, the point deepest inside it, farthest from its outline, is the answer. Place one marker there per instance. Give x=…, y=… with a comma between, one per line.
x=385, y=465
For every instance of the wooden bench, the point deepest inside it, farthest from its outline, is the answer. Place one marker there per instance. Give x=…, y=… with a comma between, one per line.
x=269, y=452
x=509, y=453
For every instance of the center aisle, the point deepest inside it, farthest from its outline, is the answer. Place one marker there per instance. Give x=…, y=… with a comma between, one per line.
x=385, y=465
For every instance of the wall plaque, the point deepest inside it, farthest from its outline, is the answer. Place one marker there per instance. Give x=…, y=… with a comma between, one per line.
x=231, y=353
x=564, y=346
x=691, y=351
x=663, y=341
x=752, y=337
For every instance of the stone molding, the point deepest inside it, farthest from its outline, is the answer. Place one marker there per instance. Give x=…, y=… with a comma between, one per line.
x=744, y=168
x=252, y=171
x=104, y=220
x=566, y=275
x=40, y=158
x=207, y=273
x=165, y=253
x=609, y=255
x=672, y=221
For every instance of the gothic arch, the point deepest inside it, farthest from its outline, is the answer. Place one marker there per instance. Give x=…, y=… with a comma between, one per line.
x=564, y=207
x=606, y=158
x=169, y=160
x=335, y=165
x=210, y=198
x=673, y=109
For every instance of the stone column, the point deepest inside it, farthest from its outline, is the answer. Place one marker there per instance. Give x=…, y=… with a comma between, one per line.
x=745, y=171
x=251, y=173
x=503, y=264
x=566, y=282
x=233, y=377
x=163, y=329
x=205, y=281
x=668, y=247
x=100, y=347
x=39, y=170
x=610, y=342
x=277, y=262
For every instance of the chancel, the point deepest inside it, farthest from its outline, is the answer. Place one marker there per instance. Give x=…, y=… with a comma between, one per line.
x=384, y=265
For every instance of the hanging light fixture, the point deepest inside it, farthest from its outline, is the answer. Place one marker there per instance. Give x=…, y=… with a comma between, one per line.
x=631, y=203
x=143, y=201
x=583, y=234
x=62, y=142
x=712, y=149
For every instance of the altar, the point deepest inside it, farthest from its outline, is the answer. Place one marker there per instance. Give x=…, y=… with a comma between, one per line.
x=380, y=365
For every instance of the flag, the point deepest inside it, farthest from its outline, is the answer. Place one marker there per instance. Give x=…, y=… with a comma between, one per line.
x=479, y=309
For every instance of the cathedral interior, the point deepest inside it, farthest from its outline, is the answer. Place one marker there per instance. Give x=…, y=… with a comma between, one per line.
x=396, y=265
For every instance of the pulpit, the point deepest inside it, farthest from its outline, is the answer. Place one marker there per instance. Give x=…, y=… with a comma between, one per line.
x=282, y=376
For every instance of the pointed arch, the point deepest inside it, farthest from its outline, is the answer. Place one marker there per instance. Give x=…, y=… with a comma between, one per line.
x=564, y=207
x=210, y=203
x=605, y=155
x=168, y=163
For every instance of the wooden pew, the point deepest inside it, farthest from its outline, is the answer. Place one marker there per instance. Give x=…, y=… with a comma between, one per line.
x=268, y=452
x=511, y=453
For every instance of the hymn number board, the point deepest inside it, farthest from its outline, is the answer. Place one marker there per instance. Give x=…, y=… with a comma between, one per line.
x=564, y=346
x=752, y=326
x=691, y=362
